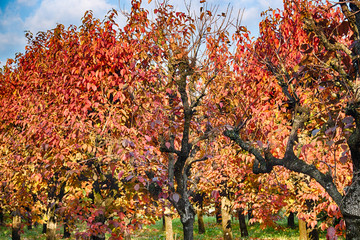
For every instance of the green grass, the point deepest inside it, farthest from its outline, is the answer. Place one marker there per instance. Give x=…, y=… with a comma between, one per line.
x=213, y=231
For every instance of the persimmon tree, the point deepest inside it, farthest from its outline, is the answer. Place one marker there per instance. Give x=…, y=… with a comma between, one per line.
x=68, y=120
x=302, y=114
x=191, y=49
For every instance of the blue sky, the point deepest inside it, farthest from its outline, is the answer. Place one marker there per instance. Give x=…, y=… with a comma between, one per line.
x=18, y=16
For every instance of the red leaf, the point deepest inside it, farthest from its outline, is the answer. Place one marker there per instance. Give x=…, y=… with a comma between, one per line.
x=331, y=234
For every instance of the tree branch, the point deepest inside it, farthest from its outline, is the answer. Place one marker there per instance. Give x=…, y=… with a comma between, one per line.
x=264, y=164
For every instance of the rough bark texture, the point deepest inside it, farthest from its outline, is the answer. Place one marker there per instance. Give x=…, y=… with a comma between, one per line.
x=16, y=226
x=169, y=233
x=226, y=218
x=188, y=228
x=350, y=205
x=242, y=223
x=291, y=220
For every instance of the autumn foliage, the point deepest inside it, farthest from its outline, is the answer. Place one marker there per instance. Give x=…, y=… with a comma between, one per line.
x=108, y=125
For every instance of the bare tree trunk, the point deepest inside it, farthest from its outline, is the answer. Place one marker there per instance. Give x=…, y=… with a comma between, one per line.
x=201, y=223
x=314, y=234
x=51, y=225
x=1, y=217
x=242, y=223
x=66, y=228
x=169, y=233
x=226, y=218
x=16, y=226
x=291, y=220
x=218, y=211
x=302, y=230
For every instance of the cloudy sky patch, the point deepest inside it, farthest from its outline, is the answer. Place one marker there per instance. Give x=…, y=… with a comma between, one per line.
x=18, y=16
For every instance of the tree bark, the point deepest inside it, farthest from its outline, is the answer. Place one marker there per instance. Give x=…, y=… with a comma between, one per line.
x=1, y=217
x=302, y=230
x=307, y=233
x=350, y=209
x=188, y=228
x=16, y=226
x=226, y=218
x=291, y=220
x=218, y=211
x=242, y=223
x=66, y=228
x=201, y=223
x=163, y=222
x=314, y=234
x=44, y=228
x=169, y=233
x=51, y=225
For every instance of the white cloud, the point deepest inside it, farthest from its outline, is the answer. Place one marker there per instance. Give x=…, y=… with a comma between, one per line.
x=271, y=3
x=66, y=12
x=27, y=2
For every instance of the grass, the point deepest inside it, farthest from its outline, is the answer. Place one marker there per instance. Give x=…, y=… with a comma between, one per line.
x=213, y=231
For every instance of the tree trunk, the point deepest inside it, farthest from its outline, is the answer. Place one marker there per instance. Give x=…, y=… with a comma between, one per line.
x=201, y=223
x=66, y=228
x=314, y=234
x=307, y=233
x=44, y=228
x=302, y=230
x=188, y=228
x=226, y=218
x=169, y=233
x=16, y=226
x=163, y=222
x=1, y=217
x=51, y=225
x=350, y=208
x=242, y=223
x=218, y=212
x=291, y=220
x=352, y=228
x=250, y=215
